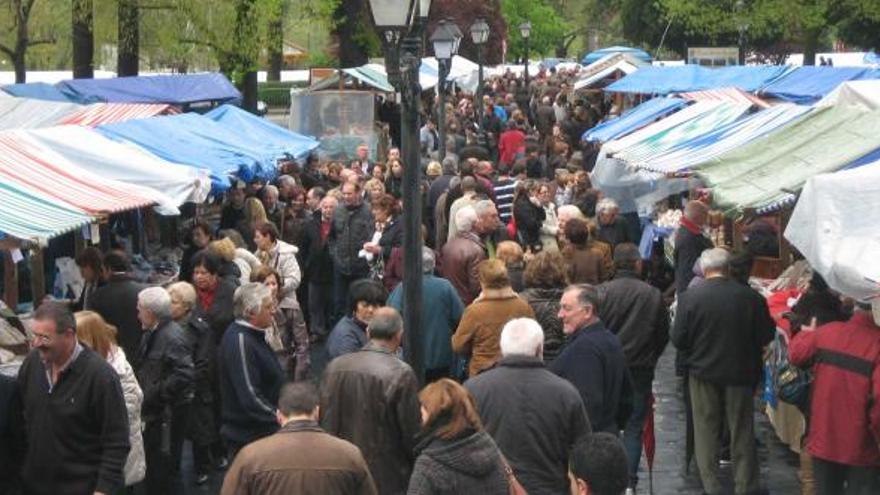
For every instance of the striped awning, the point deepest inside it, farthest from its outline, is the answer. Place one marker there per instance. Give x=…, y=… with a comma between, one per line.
x=108, y=113
x=32, y=216
x=46, y=172
x=731, y=95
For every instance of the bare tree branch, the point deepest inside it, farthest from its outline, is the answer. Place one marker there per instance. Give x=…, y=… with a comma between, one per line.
x=8, y=51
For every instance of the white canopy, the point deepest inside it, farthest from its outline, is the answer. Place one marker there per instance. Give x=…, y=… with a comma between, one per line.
x=835, y=226
x=124, y=162
x=865, y=94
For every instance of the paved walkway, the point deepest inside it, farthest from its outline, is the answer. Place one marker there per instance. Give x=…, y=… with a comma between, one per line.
x=778, y=463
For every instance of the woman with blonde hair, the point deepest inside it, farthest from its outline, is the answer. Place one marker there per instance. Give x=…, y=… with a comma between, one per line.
x=512, y=255
x=455, y=454
x=93, y=332
x=479, y=332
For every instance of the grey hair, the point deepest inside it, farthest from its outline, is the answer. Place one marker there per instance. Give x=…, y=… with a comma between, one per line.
x=450, y=165
x=185, y=292
x=587, y=295
x=286, y=180
x=465, y=218
x=522, y=337
x=157, y=301
x=249, y=299
x=715, y=260
x=483, y=206
x=606, y=205
x=429, y=261
x=271, y=189
x=571, y=212
x=385, y=324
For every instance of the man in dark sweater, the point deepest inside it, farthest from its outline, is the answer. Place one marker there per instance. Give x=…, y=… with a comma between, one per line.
x=723, y=326
x=250, y=374
x=11, y=436
x=75, y=418
x=593, y=360
x=634, y=311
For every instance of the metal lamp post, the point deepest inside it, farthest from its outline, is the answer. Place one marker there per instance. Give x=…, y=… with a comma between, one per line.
x=525, y=29
x=402, y=24
x=445, y=39
x=479, y=35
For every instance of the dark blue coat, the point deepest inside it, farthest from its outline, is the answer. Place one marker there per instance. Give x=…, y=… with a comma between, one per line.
x=347, y=336
x=250, y=382
x=594, y=363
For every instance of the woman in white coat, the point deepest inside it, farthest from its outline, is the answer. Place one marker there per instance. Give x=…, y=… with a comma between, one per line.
x=279, y=256
x=100, y=336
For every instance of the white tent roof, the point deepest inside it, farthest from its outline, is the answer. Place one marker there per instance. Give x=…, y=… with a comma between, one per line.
x=621, y=65
x=123, y=162
x=835, y=225
x=27, y=113
x=461, y=68
x=865, y=94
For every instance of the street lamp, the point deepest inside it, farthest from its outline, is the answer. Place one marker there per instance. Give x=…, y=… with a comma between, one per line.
x=525, y=29
x=401, y=24
x=446, y=39
x=479, y=35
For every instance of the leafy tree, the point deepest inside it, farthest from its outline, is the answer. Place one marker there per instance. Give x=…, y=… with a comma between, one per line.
x=464, y=13
x=548, y=28
x=15, y=34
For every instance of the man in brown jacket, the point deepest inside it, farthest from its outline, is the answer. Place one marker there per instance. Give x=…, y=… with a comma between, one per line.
x=370, y=398
x=462, y=254
x=301, y=457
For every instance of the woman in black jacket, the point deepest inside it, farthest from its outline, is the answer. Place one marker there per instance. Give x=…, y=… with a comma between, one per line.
x=455, y=454
x=529, y=216
x=386, y=213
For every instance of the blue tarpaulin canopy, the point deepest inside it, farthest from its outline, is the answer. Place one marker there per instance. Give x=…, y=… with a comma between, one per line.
x=633, y=119
x=37, y=91
x=634, y=52
x=286, y=142
x=684, y=78
x=195, y=140
x=174, y=89
x=806, y=85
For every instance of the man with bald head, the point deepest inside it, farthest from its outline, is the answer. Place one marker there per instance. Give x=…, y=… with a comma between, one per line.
x=370, y=398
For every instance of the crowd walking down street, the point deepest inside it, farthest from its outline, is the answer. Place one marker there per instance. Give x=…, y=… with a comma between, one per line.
x=555, y=356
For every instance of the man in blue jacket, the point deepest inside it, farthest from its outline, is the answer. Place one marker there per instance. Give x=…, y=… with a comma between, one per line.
x=593, y=360
x=441, y=311
x=250, y=374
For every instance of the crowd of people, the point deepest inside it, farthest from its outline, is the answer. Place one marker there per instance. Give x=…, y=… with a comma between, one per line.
x=541, y=333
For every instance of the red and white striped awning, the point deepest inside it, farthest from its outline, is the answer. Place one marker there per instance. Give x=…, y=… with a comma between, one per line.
x=108, y=113
x=732, y=95
x=54, y=176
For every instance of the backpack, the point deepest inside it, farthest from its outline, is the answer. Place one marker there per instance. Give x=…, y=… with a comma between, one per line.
x=792, y=384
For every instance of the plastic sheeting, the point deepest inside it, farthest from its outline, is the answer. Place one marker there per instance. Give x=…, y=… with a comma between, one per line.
x=270, y=134
x=835, y=226
x=666, y=139
x=108, y=113
x=26, y=113
x=605, y=67
x=633, y=119
x=683, y=78
x=806, y=85
x=199, y=142
x=176, y=89
x=724, y=139
x=37, y=91
x=30, y=215
x=123, y=162
x=865, y=94
x=766, y=171
x=611, y=50
x=734, y=95
x=40, y=169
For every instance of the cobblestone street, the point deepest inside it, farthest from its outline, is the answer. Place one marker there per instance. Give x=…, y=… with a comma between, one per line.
x=778, y=463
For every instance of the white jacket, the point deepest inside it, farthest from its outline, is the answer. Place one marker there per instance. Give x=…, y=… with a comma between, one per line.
x=136, y=464
x=283, y=259
x=247, y=263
